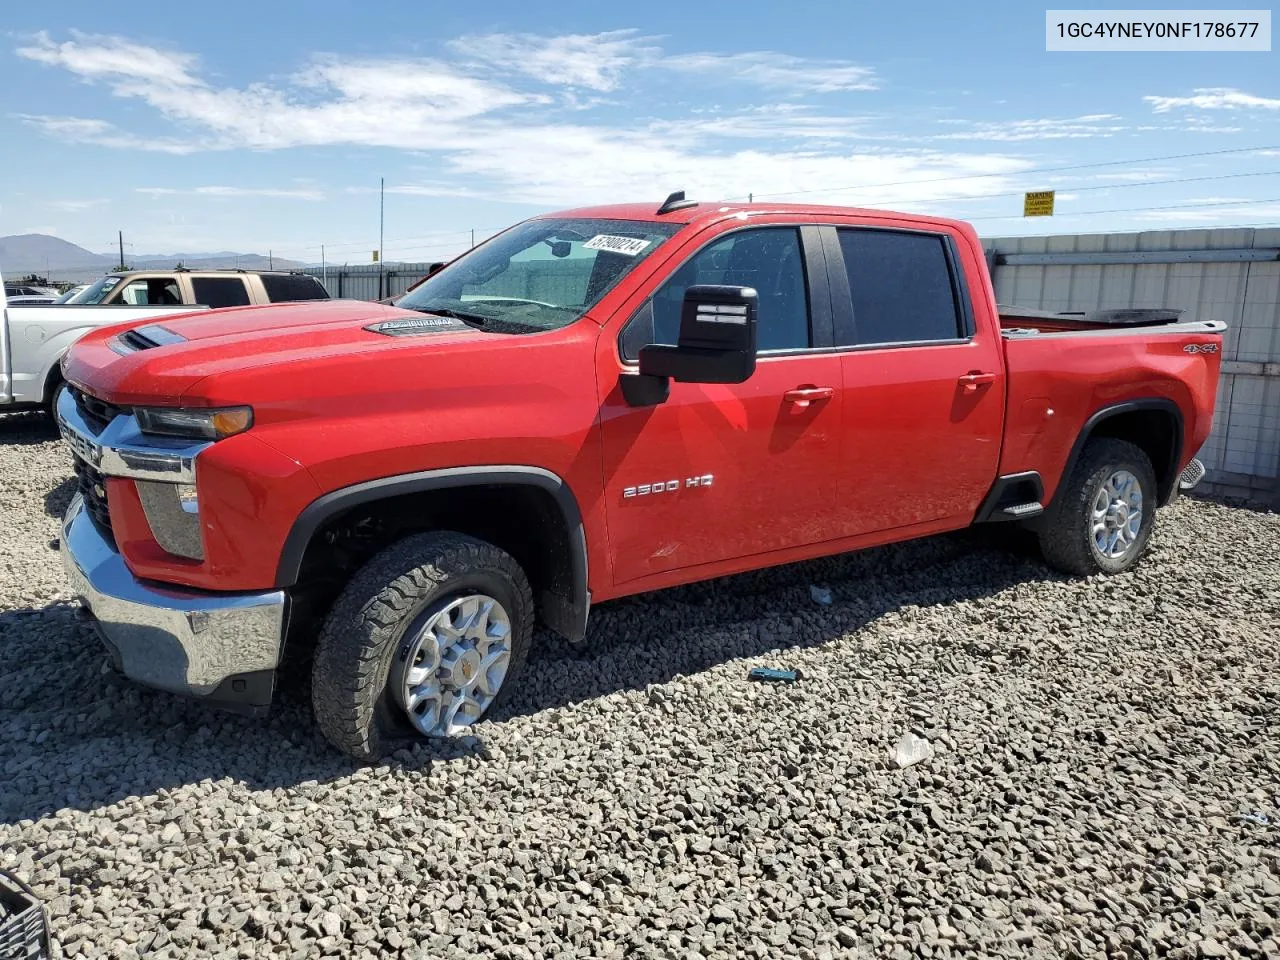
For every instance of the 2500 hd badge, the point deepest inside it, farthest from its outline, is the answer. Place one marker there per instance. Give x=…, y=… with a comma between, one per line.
x=669, y=486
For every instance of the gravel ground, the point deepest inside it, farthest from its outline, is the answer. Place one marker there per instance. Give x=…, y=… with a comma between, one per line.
x=1105, y=778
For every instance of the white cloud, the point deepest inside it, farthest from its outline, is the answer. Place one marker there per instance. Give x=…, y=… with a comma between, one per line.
x=597, y=62
x=772, y=122
x=78, y=206
x=103, y=134
x=223, y=191
x=1244, y=211
x=396, y=103
x=1012, y=131
x=491, y=139
x=592, y=60
x=1214, y=98
x=95, y=57
x=777, y=71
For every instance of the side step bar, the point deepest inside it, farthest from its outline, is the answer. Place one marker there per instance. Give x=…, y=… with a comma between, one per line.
x=1014, y=496
x=1021, y=511
x=1191, y=476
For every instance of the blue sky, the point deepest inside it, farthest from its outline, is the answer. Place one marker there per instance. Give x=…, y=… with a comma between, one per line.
x=266, y=126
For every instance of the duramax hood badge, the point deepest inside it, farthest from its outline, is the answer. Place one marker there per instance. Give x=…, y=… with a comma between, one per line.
x=411, y=326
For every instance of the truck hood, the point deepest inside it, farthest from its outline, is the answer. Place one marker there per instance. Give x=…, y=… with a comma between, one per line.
x=161, y=360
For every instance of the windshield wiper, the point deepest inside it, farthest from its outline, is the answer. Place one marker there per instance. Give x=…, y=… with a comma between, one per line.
x=471, y=319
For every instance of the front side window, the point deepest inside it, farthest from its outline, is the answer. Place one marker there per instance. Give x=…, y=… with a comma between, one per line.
x=539, y=275
x=152, y=291
x=901, y=286
x=220, y=291
x=768, y=259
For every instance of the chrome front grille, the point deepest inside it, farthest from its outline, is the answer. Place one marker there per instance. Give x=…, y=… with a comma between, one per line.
x=93, y=488
x=82, y=448
x=97, y=413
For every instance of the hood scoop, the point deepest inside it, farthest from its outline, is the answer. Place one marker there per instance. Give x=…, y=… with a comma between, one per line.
x=415, y=326
x=145, y=338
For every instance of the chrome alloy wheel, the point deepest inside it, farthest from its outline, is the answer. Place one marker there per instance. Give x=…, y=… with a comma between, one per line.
x=450, y=669
x=1117, y=515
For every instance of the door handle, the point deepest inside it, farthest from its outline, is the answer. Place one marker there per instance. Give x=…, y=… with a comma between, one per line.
x=972, y=381
x=803, y=396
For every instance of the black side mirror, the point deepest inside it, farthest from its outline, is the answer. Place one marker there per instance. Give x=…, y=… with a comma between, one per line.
x=717, y=342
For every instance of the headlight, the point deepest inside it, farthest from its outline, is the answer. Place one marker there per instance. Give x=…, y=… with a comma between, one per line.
x=211, y=424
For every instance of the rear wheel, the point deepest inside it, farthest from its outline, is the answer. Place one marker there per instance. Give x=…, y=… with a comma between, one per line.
x=1101, y=519
x=429, y=637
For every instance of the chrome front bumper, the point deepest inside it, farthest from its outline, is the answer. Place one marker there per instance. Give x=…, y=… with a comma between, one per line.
x=223, y=647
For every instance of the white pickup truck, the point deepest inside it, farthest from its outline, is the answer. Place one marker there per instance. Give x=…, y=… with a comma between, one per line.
x=33, y=338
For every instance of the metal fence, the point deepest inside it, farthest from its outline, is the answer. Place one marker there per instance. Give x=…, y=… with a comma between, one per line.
x=1229, y=275
x=363, y=281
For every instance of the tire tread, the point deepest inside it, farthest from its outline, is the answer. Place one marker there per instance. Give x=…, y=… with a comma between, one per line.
x=1061, y=540
x=351, y=664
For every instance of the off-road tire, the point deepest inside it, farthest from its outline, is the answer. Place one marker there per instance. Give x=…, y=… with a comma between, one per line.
x=360, y=637
x=1065, y=535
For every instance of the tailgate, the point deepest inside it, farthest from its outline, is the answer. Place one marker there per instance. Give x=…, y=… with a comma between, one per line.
x=1059, y=380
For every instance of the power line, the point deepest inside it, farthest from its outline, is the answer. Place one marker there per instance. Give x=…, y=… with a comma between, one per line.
x=1106, y=186
x=1020, y=173
x=1176, y=206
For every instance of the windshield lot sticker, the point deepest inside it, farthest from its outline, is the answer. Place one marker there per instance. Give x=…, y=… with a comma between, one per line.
x=629, y=246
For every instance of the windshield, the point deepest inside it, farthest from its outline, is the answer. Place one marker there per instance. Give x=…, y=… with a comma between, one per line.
x=97, y=291
x=539, y=275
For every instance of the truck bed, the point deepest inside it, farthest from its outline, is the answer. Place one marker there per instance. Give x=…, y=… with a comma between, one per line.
x=1062, y=369
x=1047, y=321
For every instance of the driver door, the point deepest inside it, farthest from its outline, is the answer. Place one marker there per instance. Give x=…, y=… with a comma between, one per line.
x=720, y=472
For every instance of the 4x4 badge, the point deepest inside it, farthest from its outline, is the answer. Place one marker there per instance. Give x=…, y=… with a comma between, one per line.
x=1201, y=348
x=665, y=486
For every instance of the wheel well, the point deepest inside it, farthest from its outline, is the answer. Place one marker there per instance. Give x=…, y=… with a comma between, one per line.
x=52, y=381
x=1156, y=430
x=525, y=520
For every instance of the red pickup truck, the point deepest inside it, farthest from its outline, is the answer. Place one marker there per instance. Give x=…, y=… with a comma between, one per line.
x=591, y=404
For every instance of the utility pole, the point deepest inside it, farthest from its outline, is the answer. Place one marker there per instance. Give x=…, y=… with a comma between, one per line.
x=382, y=254
x=751, y=198
x=271, y=260
x=473, y=238
x=120, y=237
x=324, y=273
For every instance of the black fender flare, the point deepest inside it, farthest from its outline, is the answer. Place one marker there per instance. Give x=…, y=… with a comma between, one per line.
x=1161, y=404
x=319, y=511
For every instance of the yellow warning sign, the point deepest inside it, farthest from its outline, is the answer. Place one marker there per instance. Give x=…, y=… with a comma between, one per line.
x=1038, y=203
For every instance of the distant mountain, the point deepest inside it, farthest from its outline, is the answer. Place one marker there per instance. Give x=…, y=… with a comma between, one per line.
x=58, y=259
x=38, y=253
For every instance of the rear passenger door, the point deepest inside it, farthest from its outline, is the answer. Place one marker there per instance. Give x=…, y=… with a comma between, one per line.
x=292, y=287
x=220, y=291
x=923, y=389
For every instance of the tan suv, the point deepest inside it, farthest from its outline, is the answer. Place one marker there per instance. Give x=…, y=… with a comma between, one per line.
x=211, y=288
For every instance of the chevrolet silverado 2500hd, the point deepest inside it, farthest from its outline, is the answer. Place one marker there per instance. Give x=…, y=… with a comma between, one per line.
x=591, y=404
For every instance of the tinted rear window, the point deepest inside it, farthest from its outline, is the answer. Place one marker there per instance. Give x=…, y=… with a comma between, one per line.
x=281, y=288
x=901, y=286
x=220, y=291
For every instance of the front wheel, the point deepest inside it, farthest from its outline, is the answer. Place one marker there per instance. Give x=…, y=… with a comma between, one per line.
x=1101, y=519
x=427, y=638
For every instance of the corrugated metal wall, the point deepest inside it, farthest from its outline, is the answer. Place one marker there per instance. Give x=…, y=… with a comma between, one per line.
x=360, y=282
x=1243, y=453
